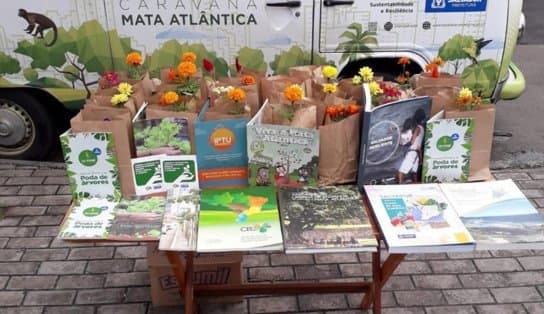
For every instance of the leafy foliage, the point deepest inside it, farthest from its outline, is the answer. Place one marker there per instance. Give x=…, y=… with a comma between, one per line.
x=251, y=59
x=295, y=56
x=30, y=74
x=458, y=47
x=358, y=43
x=163, y=135
x=481, y=77
x=8, y=64
x=147, y=205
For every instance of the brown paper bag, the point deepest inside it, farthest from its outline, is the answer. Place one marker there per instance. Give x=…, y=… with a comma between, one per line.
x=155, y=111
x=105, y=102
x=443, y=96
x=445, y=79
x=272, y=87
x=120, y=125
x=252, y=92
x=482, y=139
x=303, y=72
x=145, y=83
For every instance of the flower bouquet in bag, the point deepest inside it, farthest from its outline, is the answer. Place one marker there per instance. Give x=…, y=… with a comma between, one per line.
x=247, y=83
x=293, y=109
x=434, y=77
x=119, y=97
x=230, y=103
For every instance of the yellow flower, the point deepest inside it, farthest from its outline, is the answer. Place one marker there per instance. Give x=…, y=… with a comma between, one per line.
x=329, y=71
x=134, y=59
x=236, y=94
x=357, y=80
x=186, y=69
x=366, y=74
x=375, y=89
x=125, y=88
x=293, y=93
x=329, y=88
x=438, y=61
x=169, y=98
x=188, y=57
x=464, y=97
x=119, y=99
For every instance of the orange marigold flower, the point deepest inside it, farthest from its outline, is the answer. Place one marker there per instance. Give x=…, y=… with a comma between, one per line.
x=172, y=75
x=404, y=60
x=293, y=93
x=186, y=69
x=438, y=61
x=353, y=109
x=248, y=80
x=188, y=57
x=134, y=58
x=331, y=111
x=236, y=94
x=169, y=98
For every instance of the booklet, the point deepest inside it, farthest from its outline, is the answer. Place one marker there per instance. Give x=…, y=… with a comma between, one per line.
x=180, y=221
x=324, y=220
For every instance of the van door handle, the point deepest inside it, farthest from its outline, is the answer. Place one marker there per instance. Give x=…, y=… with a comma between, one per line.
x=330, y=3
x=287, y=4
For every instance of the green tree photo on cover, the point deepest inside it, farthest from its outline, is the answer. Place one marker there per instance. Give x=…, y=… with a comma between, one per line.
x=163, y=135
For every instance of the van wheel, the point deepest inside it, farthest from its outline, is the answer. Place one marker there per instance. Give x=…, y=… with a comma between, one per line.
x=26, y=129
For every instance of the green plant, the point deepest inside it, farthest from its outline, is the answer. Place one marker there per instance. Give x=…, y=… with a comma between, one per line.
x=162, y=135
x=8, y=64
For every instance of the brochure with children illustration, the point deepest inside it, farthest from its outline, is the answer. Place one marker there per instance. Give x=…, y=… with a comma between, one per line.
x=281, y=155
x=244, y=219
x=392, y=141
x=324, y=220
x=180, y=221
x=447, y=150
x=417, y=218
x=497, y=214
x=138, y=219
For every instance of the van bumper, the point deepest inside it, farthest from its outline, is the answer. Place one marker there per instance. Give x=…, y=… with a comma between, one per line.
x=514, y=85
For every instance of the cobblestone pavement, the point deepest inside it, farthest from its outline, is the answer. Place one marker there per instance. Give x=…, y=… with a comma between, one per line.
x=40, y=274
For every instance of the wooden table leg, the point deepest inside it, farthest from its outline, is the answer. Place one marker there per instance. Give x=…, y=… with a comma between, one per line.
x=178, y=269
x=190, y=304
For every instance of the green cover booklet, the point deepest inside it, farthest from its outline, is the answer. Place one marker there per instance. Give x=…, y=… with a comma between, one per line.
x=91, y=165
x=447, y=150
x=245, y=219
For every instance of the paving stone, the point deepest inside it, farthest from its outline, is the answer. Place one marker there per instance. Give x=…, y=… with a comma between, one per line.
x=517, y=176
x=399, y=283
x=364, y=257
x=62, y=267
x=273, y=304
x=404, y=310
x=140, y=265
x=42, y=220
x=49, y=172
x=413, y=267
x=109, y=266
x=354, y=299
x=9, y=201
x=61, y=180
x=53, y=200
x=419, y=297
x=49, y=297
x=131, y=252
x=59, y=243
x=336, y=258
x=533, y=307
x=271, y=273
x=22, y=310
x=139, y=294
x=38, y=190
x=17, y=231
x=218, y=308
x=317, y=272
x=356, y=270
x=501, y=308
x=57, y=210
x=136, y=308
x=527, y=184
x=45, y=254
x=497, y=264
x=3, y=242
x=9, y=190
x=425, y=256
x=11, y=298
x=81, y=282
x=9, y=221
x=24, y=181
x=436, y=281
x=516, y=253
x=63, y=190
x=291, y=259
x=487, y=280
x=253, y=260
x=10, y=255
x=31, y=282
x=91, y=253
x=3, y=281
x=127, y=279
x=100, y=296
x=456, y=309
x=15, y=173
x=453, y=267
x=532, y=193
x=310, y=302
x=69, y=309
x=516, y=294
x=29, y=243
x=471, y=254
x=25, y=210
x=47, y=231
x=19, y=268
x=524, y=278
x=468, y=296
x=532, y=262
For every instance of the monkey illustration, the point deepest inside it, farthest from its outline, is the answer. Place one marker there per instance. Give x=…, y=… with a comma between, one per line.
x=37, y=23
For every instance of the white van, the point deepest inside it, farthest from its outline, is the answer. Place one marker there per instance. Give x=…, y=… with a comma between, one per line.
x=52, y=52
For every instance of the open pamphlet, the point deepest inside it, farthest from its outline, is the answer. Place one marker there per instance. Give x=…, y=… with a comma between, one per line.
x=180, y=222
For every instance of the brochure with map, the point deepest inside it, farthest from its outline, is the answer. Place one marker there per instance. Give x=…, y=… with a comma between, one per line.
x=447, y=150
x=244, y=219
x=324, y=220
x=180, y=221
x=138, y=219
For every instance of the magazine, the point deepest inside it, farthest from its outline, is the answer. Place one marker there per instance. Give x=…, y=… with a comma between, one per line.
x=137, y=219
x=324, y=219
x=448, y=145
x=392, y=141
x=180, y=221
x=281, y=155
x=244, y=219
x=417, y=218
x=497, y=214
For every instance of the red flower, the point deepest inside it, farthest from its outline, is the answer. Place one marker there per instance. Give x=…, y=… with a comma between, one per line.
x=238, y=65
x=207, y=65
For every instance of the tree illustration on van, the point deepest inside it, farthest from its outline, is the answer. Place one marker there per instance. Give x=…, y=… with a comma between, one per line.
x=358, y=43
x=295, y=57
x=8, y=64
x=251, y=59
x=481, y=75
x=78, y=52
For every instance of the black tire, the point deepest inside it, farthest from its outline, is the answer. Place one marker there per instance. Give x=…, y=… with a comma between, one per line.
x=26, y=129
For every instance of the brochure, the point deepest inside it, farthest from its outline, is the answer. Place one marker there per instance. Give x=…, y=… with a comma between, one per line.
x=147, y=175
x=180, y=221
